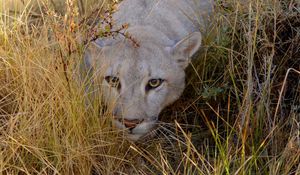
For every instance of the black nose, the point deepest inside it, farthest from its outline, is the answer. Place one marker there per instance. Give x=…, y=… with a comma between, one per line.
x=130, y=124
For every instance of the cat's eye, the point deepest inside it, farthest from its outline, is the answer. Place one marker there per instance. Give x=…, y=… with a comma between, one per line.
x=112, y=81
x=154, y=83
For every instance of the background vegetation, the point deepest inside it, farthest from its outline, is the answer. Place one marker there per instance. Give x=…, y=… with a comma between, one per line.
x=240, y=113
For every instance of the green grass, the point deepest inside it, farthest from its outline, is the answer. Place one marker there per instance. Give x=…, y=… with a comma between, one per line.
x=238, y=115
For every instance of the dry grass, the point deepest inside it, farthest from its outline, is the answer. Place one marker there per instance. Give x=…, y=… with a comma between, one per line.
x=238, y=115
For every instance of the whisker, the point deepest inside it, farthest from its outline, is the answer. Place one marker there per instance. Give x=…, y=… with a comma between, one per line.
x=168, y=134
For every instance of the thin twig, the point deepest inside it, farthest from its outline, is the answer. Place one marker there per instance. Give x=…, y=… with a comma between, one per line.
x=281, y=91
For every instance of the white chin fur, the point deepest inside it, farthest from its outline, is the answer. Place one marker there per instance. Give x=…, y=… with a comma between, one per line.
x=134, y=137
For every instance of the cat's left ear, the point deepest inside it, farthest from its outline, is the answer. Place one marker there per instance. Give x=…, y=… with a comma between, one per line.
x=186, y=48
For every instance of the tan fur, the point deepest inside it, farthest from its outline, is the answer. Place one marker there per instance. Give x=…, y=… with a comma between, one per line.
x=169, y=34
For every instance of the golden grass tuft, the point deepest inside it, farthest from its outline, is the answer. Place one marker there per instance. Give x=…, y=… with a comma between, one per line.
x=238, y=115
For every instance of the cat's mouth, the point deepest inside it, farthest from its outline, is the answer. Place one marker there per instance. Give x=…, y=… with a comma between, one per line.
x=130, y=124
x=134, y=129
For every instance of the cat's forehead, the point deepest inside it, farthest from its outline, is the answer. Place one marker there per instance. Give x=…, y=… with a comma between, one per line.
x=134, y=69
x=130, y=67
x=147, y=60
x=126, y=50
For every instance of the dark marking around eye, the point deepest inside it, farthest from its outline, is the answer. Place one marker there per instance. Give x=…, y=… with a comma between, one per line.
x=181, y=60
x=113, y=81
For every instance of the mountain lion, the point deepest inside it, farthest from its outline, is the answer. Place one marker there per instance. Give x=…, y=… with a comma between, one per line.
x=141, y=81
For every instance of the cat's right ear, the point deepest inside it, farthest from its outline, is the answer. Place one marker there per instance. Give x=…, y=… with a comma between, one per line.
x=92, y=52
x=94, y=48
